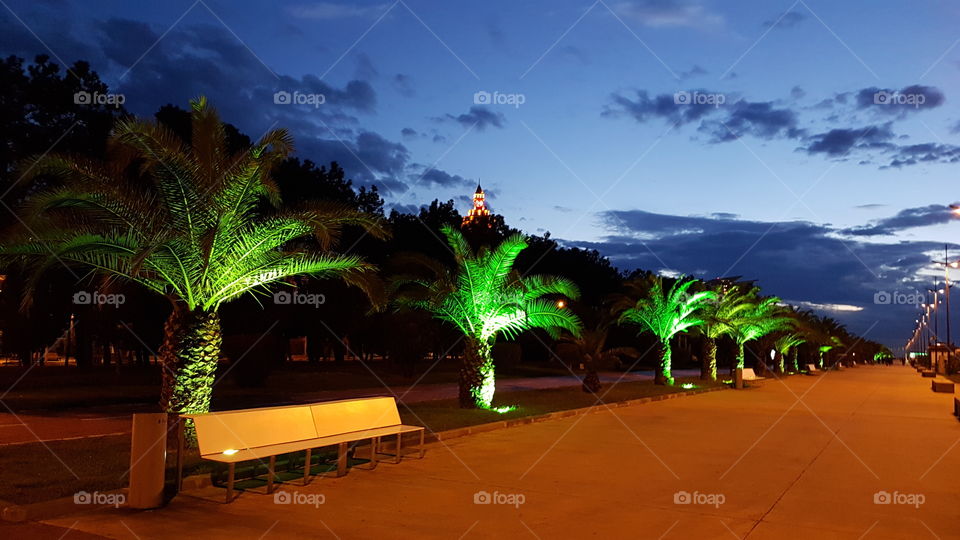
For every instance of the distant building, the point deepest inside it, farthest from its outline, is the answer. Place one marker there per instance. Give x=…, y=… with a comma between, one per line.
x=479, y=213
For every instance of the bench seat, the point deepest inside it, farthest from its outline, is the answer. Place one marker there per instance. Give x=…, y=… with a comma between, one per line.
x=262, y=452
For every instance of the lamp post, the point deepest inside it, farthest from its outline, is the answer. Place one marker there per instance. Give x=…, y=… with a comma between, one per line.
x=947, y=265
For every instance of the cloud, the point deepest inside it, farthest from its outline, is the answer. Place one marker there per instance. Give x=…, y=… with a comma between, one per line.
x=797, y=92
x=841, y=141
x=759, y=119
x=787, y=20
x=695, y=71
x=330, y=10
x=892, y=102
x=667, y=13
x=805, y=261
x=908, y=218
x=439, y=178
x=478, y=116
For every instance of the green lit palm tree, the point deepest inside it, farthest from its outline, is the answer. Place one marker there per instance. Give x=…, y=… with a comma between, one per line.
x=785, y=344
x=190, y=221
x=762, y=317
x=484, y=297
x=664, y=314
x=720, y=317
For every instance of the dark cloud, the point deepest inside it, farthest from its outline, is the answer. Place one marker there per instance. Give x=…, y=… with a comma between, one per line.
x=797, y=92
x=437, y=177
x=841, y=141
x=408, y=133
x=908, y=218
x=759, y=119
x=676, y=108
x=909, y=99
x=793, y=259
x=478, y=116
x=787, y=20
x=364, y=69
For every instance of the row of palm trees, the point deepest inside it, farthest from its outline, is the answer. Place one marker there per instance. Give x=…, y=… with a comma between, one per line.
x=202, y=225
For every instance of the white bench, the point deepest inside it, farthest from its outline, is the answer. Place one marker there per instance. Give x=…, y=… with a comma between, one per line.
x=811, y=368
x=750, y=375
x=256, y=434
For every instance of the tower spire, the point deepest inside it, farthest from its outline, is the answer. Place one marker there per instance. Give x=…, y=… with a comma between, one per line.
x=479, y=210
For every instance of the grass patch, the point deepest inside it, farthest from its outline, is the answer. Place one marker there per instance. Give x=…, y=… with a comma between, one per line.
x=445, y=415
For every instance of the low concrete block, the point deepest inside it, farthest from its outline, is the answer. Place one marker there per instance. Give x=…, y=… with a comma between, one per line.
x=942, y=385
x=928, y=373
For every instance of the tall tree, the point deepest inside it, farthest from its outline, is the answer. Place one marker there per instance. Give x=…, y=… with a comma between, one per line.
x=662, y=313
x=720, y=316
x=193, y=222
x=484, y=297
x=762, y=317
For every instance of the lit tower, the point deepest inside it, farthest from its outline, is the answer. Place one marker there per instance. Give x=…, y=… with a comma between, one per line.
x=479, y=212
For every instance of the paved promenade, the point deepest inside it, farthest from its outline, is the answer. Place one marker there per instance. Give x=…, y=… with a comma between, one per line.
x=809, y=457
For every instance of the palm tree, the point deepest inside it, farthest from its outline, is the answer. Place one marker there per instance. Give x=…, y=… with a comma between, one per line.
x=484, y=297
x=784, y=344
x=187, y=220
x=720, y=316
x=592, y=349
x=761, y=318
x=663, y=314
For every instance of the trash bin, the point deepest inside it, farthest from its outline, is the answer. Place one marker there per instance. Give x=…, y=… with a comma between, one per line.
x=148, y=457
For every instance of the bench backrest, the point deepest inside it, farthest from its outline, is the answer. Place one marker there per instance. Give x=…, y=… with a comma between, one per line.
x=335, y=417
x=811, y=367
x=749, y=374
x=253, y=428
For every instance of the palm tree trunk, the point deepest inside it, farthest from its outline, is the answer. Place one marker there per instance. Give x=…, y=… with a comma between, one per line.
x=477, y=378
x=188, y=355
x=708, y=367
x=741, y=356
x=591, y=380
x=779, y=364
x=793, y=358
x=664, y=373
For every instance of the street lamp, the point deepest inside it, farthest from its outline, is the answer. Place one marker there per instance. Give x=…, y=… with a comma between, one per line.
x=947, y=265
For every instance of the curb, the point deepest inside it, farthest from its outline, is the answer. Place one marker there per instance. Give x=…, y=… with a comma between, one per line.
x=59, y=507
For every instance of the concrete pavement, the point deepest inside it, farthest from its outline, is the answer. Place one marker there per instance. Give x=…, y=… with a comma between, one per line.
x=808, y=457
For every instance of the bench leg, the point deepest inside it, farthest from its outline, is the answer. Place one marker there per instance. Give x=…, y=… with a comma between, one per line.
x=306, y=468
x=270, y=468
x=396, y=458
x=230, y=471
x=342, y=459
x=373, y=453
x=421, y=442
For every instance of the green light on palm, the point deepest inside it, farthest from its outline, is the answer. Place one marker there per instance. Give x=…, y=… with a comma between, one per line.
x=189, y=221
x=762, y=316
x=484, y=297
x=664, y=314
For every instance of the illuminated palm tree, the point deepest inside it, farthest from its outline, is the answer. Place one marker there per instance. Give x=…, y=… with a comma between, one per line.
x=663, y=314
x=784, y=344
x=190, y=221
x=761, y=318
x=484, y=297
x=720, y=316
